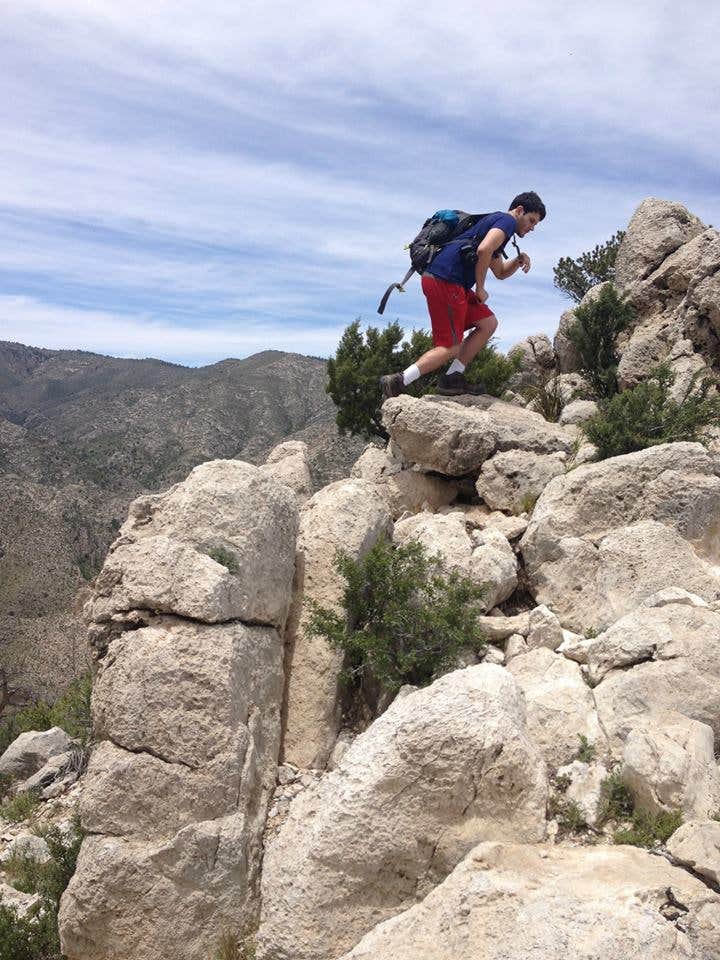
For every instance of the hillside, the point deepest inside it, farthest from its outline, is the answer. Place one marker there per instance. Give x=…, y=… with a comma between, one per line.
x=81, y=435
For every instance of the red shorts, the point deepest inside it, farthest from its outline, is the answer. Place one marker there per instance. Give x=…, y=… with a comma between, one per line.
x=453, y=310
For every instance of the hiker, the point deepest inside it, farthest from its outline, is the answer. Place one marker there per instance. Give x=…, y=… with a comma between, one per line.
x=453, y=306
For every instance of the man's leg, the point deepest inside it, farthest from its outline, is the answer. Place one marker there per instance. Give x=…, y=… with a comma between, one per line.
x=447, y=306
x=472, y=345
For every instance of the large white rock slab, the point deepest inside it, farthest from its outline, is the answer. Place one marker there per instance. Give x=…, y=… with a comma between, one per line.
x=162, y=559
x=443, y=768
x=509, y=480
x=176, y=793
x=607, y=535
x=349, y=516
x=455, y=437
x=669, y=764
x=697, y=845
x=685, y=677
x=560, y=706
x=509, y=902
x=406, y=490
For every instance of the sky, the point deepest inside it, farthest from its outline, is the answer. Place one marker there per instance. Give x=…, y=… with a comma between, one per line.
x=199, y=180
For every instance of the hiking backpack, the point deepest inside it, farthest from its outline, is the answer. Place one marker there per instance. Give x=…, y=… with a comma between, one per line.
x=437, y=231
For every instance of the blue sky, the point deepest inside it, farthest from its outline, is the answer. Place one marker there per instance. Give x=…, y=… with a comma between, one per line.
x=194, y=181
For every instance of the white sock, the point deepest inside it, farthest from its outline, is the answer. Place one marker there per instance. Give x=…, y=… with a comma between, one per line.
x=412, y=373
x=456, y=367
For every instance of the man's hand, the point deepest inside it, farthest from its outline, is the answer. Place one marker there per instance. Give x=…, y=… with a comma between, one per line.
x=481, y=295
x=524, y=262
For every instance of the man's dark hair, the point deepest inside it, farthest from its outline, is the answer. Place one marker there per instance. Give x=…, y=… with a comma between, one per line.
x=530, y=202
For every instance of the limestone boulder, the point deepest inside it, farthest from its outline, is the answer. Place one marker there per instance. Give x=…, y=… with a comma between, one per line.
x=544, y=629
x=509, y=902
x=684, y=677
x=669, y=764
x=696, y=844
x=289, y=463
x=404, y=489
x=512, y=481
x=585, y=787
x=606, y=535
x=349, y=516
x=657, y=229
x=443, y=768
x=537, y=361
x=30, y=751
x=560, y=705
x=455, y=436
x=578, y=411
x=484, y=556
x=218, y=546
x=176, y=793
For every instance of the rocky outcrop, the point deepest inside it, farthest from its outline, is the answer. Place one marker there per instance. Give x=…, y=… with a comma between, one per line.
x=348, y=516
x=513, y=481
x=510, y=901
x=404, y=489
x=483, y=556
x=289, y=463
x=187, y=714
x=442, y=769
x=30, y=751
x=455, y=437
x=607, y=535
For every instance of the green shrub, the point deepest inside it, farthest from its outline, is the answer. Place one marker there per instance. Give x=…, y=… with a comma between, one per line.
x=576, y=276
x=649, y=828
x=646, y=415
x=586, y=751
x=21, y=807
x=361, y=359
x=225, y=558
x=594, y=335
x=404, y=621
x=36, y=937
x=615, y=799
x=28, y=938
x=71, y=711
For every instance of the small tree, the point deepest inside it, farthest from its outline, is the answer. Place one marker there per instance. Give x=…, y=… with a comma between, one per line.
x=646, y=415
x=403, y=620
x=355, y=370
x=576, y=276
x=594, y=334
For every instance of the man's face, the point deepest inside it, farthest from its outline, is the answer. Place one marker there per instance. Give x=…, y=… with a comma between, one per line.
x=526, y=222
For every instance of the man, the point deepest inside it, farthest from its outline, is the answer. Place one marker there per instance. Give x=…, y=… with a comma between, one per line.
x=454, y=307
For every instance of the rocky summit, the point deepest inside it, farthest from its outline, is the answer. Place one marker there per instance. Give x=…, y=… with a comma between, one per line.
x=553, y=792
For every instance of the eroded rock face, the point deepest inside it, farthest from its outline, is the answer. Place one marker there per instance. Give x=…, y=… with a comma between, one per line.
x=509, y=901
x=560, y=705
x=609, y=534
x=455, y=437
x=350, y=515
x=485, y=556
x=442, y=768
x=669, y=764
x=697, y=845
x=187, y=715
x=404, y=489
x=514, y=480
x=657, y=229
x=684, y=677
x=289, y=463
x=177, y=791
x=218, y=546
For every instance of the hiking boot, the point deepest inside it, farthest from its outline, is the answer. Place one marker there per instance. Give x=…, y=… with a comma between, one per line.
x=455, y=385
x=391, y=385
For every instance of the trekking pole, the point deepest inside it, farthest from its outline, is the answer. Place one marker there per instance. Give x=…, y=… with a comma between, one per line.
x=394, y=286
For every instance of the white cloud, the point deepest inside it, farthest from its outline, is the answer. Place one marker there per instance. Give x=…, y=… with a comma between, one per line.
x=175, y=161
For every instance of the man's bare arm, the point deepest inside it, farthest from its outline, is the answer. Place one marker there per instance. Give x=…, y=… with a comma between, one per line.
x=503, y=269
x=489, y=244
